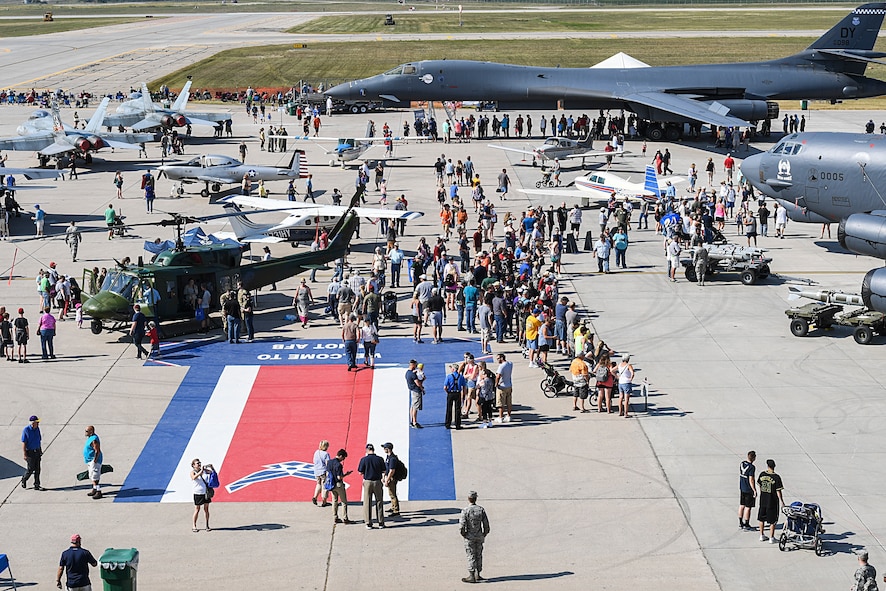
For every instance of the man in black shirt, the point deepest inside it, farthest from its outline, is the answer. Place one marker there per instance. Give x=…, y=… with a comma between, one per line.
x=75, y=562
x=436, y=303
x=372, y=468
x=231, y=308
x=137, y=330
x=770, y=495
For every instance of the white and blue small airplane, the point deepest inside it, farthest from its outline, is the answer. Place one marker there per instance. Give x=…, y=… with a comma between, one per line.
x=601, y=186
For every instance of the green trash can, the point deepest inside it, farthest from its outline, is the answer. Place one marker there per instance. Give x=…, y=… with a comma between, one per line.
x=292, y=109
x=118, y=569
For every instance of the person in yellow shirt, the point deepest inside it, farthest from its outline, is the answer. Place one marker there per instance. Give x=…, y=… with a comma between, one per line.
x=532, y=326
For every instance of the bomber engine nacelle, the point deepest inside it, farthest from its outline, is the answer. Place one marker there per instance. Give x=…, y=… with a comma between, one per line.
x=864, y=234
x=873, y=289
x=751, y=110
x=173, y=120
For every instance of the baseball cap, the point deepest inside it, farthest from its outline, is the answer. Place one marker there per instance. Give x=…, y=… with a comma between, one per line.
x=75, y=538
x=34, y=418
x=387, y=445
x=370, y=447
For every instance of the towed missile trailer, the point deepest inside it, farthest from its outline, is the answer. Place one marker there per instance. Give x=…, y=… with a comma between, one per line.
x=731, y=258
x=822, y=316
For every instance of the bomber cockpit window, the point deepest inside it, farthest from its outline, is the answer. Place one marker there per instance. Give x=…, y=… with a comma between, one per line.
x=409, y=69
x=788, y=148
x=395, y=72
x=777, y=148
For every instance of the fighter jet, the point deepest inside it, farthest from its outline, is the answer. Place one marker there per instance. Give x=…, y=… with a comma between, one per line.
x=215, y=170
x=142, y=114
x=302, y=221
x=62, y=139
x=730, y=95
x=825, y=177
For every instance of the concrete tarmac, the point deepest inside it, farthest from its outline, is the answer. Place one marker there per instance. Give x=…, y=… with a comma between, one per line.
x=574, y=499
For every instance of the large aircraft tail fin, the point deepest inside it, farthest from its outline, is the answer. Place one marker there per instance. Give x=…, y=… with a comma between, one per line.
x=857, y=31
x=650, y=182
x=95, y=122
x=181, y=102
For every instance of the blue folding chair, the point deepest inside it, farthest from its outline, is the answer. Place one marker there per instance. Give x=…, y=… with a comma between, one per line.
x=4, y=565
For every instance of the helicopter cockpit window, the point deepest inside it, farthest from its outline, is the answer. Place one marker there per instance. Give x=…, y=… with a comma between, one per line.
x=120, y=283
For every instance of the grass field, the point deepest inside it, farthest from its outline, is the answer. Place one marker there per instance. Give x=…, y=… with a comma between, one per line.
x=196, y=6
x=281, y=65
x=590, y=20
x=24, y=27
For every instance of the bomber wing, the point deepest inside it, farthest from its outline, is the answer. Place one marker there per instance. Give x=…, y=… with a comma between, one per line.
x=713, y=114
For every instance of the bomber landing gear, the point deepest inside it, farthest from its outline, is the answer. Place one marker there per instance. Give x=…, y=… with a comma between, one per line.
x=95, y=326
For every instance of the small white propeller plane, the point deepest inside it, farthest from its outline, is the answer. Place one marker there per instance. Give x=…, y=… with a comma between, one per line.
x=304, y=220
x=561, y=148
x=601, y=185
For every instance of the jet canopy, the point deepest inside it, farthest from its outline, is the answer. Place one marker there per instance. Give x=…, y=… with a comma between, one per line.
x=402, y=69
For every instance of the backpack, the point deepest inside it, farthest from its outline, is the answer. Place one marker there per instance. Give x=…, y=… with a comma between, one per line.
x=400, y=470
x=602, y=374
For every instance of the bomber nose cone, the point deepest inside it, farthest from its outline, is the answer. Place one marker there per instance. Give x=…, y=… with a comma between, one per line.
x=342, y=91
x=750, y=168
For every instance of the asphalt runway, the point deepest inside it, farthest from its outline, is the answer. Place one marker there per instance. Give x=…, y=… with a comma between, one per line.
x=574, y=499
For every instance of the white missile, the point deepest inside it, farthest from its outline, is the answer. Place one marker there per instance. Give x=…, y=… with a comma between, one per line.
x=827, y=296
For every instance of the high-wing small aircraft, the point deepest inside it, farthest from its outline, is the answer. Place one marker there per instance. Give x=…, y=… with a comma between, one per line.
x=61, y=139
x=143, y=114
x=601, y=185
x=215, y=170
x=304, y=220
x=559, y=148
x=353, y=149
x=664, y=98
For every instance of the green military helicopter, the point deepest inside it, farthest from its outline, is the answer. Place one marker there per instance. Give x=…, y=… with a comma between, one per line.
x=168, y=278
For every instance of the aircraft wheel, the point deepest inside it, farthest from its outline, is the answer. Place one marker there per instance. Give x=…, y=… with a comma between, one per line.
x=88, y=158
x=764, y=272
x=749, y=277
x=863, y=335
x=180, y=191
x=672, y=134
x=690, y=274
x=355, y=109
x=216, y=187
x=655, y=133
x=95, y=326
x=799, y=327
x=204, y=192
x=332, y=163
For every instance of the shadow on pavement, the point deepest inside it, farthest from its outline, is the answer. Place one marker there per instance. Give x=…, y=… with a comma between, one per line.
x=254, y=527
x=530, y=577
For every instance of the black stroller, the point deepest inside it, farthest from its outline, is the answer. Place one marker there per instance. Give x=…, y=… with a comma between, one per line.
x=554, y=384
x=389, y=307
x=804, y=527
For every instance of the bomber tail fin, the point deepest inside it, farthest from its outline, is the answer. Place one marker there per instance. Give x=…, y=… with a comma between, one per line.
x=857, y=31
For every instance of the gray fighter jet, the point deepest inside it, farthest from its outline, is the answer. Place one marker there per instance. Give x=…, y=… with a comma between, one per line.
x=142, y=114
x=828, y=177
x=665, y=98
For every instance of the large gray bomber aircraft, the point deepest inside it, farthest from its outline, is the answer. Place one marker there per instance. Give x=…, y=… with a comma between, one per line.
x=825, y=177
x=730, y=95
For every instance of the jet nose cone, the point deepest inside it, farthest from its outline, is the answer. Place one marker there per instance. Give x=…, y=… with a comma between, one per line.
x=750, y=168
x=342, y=91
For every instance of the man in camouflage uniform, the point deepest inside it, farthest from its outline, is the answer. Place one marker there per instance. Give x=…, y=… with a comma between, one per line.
x=474, y=528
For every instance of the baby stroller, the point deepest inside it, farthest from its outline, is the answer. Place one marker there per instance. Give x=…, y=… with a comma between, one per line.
x=804, y=527
x=389, y=307
x=545, y=180
x=554, y=384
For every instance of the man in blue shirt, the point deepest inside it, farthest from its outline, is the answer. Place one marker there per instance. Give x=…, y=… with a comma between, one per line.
x=32, y=446
x=471, y=295
x=454, y=386
x=75, y=561
x=92, y=456
x=396, y=256
x=372, y=468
